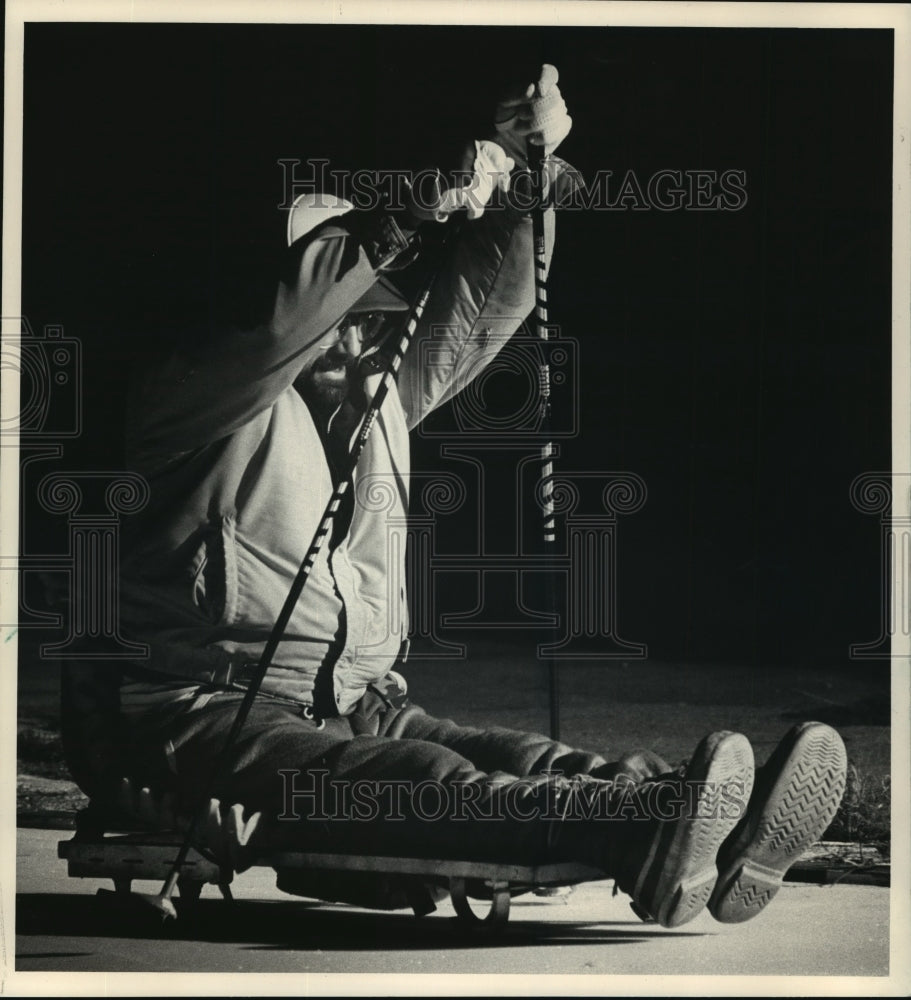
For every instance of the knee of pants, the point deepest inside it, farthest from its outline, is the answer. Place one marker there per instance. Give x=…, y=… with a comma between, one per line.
x=384, y=757
x=395, y=723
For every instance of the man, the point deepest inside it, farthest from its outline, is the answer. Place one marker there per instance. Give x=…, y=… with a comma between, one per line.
x=242, y=439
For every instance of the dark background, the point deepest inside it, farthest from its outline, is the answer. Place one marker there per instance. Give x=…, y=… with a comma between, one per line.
x=738, y=362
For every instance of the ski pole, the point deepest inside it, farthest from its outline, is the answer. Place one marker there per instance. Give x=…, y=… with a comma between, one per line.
x=536, y=164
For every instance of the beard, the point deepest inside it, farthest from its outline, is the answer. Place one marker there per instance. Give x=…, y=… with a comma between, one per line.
x=325, y=385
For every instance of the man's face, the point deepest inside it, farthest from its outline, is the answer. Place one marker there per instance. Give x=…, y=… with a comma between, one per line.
x=324, y=384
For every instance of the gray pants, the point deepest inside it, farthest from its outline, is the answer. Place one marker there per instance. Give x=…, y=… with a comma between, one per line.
x=389, y=779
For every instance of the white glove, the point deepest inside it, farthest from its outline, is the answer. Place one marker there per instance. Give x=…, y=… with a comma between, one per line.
x=490, y=167
x=535, y=112
x=485, y=168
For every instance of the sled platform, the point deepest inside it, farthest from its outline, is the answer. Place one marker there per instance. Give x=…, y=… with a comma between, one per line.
x=129, y=856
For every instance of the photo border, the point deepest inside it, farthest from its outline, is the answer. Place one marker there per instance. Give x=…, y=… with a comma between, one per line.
x=527, y=12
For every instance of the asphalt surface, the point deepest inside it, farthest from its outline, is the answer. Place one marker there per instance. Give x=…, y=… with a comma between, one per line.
x=808, y=931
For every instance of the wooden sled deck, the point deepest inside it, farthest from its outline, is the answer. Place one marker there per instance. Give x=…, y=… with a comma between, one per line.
x=124, y=857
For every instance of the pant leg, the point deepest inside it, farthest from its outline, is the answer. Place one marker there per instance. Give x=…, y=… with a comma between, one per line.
x=386, y=711
x=497, y=748
x=325, y=789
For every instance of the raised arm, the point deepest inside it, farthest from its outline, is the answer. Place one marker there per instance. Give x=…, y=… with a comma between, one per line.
x=207, y=389
x=485, y=289
x=479, y=300
x=210, y=387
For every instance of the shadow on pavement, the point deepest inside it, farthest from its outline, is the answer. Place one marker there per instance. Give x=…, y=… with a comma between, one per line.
x=263, y=926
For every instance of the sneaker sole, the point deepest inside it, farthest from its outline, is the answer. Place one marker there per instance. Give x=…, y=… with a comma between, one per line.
x=680, y=872
x=800, y=803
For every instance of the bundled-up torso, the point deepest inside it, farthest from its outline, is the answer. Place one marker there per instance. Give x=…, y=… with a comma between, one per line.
x=209, y=566
x=239, y=479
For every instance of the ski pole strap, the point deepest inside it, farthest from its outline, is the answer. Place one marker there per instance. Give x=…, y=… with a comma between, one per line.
x=389, y=374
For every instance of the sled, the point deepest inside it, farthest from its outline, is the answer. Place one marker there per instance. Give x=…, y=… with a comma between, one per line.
x=125, y=857
x=109, y=844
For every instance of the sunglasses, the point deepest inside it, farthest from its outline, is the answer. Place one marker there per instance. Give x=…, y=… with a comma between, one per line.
x=369, y=324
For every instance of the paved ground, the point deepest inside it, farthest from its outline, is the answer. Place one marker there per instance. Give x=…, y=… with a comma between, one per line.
x=832, y=931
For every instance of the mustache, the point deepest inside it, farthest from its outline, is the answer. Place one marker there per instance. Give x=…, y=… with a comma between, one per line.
x=331, y=361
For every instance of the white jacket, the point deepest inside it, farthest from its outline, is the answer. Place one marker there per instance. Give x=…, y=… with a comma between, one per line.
x=239, y=477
